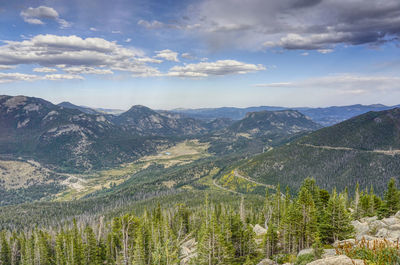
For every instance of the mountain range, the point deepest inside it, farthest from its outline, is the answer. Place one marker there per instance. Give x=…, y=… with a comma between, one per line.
x=51, y=142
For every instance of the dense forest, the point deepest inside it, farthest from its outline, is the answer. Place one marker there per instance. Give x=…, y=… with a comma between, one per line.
x=213, y=232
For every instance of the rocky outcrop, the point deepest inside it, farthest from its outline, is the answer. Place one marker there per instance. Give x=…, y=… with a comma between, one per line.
x=336, y=260
x=188, y=251
x=370, y=228
x=267, y=262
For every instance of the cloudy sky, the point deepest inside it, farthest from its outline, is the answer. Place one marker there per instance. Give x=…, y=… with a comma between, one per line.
x=204, y=53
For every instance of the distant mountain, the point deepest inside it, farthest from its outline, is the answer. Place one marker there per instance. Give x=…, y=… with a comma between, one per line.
x=65, y=138
x=332, y=115
x=110, y=111
x=145, y=121
x=260, y=130
x=274, y=122
x=324, y=116
x=86, y=110
x=224, y=112
x=364, y=150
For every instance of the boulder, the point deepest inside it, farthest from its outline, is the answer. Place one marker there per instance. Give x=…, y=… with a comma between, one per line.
x=383, y=232
x=361, y=229
x=369, y=219
x=267, y=262
x=259, y=230
x=377, y=224
x=391, y=221
x=395, y=227
x=397, y=215
x=350, y=242
x=336, y=260
x=305, y=251
x=330, y=252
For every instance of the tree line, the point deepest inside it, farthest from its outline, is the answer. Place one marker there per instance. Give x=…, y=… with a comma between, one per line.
x=222, y=233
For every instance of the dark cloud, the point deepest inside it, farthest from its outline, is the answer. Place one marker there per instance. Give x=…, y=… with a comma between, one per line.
x=300, y=24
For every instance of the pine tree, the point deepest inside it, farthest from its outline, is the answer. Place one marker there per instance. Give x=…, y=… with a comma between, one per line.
x=391, y=203
x=5, y=252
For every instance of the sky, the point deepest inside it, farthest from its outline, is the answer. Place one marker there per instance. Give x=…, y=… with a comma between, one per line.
x=204, y=53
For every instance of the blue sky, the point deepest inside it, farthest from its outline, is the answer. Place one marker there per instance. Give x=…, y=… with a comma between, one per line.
x=172, y=54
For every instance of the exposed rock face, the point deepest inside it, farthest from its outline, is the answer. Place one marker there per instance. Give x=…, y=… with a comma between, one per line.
x=305, y=252
x=337, y=260
x=267, y=262
x=259, y=230
x=371, y=228
x=188, y=251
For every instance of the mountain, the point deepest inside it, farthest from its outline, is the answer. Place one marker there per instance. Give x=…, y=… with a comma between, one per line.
x=273, y=122
x=145, y=121
x=86, y=110
x=332, y=115
x=260, y=130
x=324, y=116
x=364, y=150
x=65, y=138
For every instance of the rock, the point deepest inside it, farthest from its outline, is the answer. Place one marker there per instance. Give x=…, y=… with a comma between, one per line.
x=390, y=221
x=361, y=229
x=350, y=242
x=330, y=252
x=369, y=219
x=377, y=224
x=259, y=230
x=383, y=232
x=395, y=227
x=342, y=260
x=267, y=262
x=305, y=251
x=397, y=215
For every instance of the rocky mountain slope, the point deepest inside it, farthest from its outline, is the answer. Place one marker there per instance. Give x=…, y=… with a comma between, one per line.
x=33, y=128
x=261, y=130
x=145, y=121
x=324, y=116
x=361, y=150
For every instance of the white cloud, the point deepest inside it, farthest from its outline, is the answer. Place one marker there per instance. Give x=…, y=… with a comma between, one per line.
x=343, y=83
x=6, y=67
x=304, y=54
x=150, y=25
x=12, y=77
x=167, y=55
x=36, y=16
x=116, y=32
x=325, y=51
x=93, y=29
x=188, y=56
x=87, y=70
x=56, y=77
x=44, y=70
x=94, y=55
x=128, y=40
x=218, y=68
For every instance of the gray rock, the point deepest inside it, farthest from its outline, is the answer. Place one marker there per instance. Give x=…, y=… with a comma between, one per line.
x=351, y=242
x=391, y=221
x=267, y=262
x=361, y=229
x=330, y=252
x=305, y=252
x=397, y=215
x=383, y=232
x=369, y=219
x=395, y=227
x=337, y=260
x=259, y=230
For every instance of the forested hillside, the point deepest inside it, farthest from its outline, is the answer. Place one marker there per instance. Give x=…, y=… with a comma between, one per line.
x=274, y=230
x=361, y=150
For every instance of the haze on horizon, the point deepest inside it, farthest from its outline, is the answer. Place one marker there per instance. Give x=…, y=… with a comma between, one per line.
x=192, y=54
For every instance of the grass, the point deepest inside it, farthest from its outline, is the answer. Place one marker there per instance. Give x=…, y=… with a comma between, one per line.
x=182, y=153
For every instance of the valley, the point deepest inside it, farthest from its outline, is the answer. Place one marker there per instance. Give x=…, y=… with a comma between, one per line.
x=93, y=167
